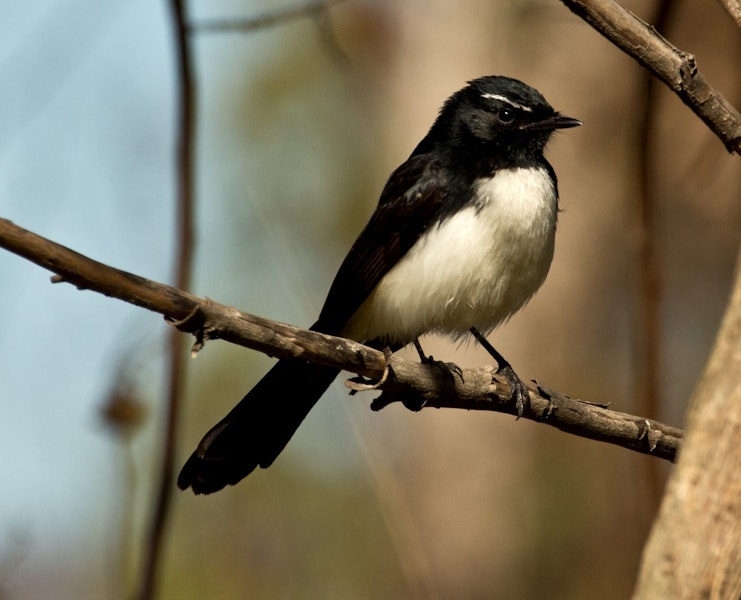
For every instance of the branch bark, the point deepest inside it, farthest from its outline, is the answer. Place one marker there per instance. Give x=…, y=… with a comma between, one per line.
x=415, y=385
x=676, y=68
x=733, y=8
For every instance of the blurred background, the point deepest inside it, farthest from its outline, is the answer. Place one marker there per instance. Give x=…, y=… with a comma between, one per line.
x=299, y=125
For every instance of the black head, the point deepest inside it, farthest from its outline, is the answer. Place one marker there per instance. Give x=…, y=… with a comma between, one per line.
x=498, y=118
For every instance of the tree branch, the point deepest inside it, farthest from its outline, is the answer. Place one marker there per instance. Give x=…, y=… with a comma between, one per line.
x=309, y=8
x=733, y=8
x=414, y=384
x=675, y=67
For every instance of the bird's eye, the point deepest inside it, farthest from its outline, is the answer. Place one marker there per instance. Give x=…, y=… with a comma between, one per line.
x=506, y=115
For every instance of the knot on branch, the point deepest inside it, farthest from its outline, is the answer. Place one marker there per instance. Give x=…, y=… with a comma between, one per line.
x=195, y=323
x=648, y=434
x=361, y=384
x=687, y=68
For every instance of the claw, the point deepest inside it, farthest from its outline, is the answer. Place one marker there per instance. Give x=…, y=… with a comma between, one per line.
x=454, y=369
x=449, y=367
x=519, y=389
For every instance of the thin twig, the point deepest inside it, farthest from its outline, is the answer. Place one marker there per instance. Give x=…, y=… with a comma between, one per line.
x=183, y=267
x=676, y=68
x=276, y=17
x=328, y=39
x=414, y=384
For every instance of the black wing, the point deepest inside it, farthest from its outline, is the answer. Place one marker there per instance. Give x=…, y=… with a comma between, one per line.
x=410, y=202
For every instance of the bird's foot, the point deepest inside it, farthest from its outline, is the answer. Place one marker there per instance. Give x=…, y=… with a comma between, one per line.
x=519, y=391
x=450, y=368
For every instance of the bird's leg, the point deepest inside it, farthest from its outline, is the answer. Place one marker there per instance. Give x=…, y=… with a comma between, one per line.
x=423, y=358
x=428, y=360
x=519, y=389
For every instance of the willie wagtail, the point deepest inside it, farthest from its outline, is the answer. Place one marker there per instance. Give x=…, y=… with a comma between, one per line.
x=462, y=237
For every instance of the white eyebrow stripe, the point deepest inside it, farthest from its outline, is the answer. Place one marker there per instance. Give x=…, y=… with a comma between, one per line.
x=507, y=101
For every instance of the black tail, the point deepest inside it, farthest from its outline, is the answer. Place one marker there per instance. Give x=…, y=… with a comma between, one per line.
x=258, y=428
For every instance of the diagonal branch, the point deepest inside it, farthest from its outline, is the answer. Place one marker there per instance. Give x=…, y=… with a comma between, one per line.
x=733, y=8
x=308, y=8
x=676, y=68
x=416, y=385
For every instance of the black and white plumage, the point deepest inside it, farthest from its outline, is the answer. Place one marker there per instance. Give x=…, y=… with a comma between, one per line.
x=462, y=237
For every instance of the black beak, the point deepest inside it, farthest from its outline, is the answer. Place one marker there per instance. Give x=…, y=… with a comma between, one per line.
x=553, y=122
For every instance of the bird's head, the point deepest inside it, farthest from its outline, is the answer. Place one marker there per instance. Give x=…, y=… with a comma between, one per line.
x=498, y=115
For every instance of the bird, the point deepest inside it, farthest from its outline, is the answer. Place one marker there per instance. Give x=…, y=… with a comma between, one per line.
x=461, y=238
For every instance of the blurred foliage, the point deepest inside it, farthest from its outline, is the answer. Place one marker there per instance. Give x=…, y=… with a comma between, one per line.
x=294, y=148
x=442, y=505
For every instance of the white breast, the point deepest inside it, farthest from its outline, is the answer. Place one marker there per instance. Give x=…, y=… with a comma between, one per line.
x=476, y=268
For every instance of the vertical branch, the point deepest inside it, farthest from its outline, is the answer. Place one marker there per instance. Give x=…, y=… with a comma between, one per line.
x=648, y=348
x=183, y=267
